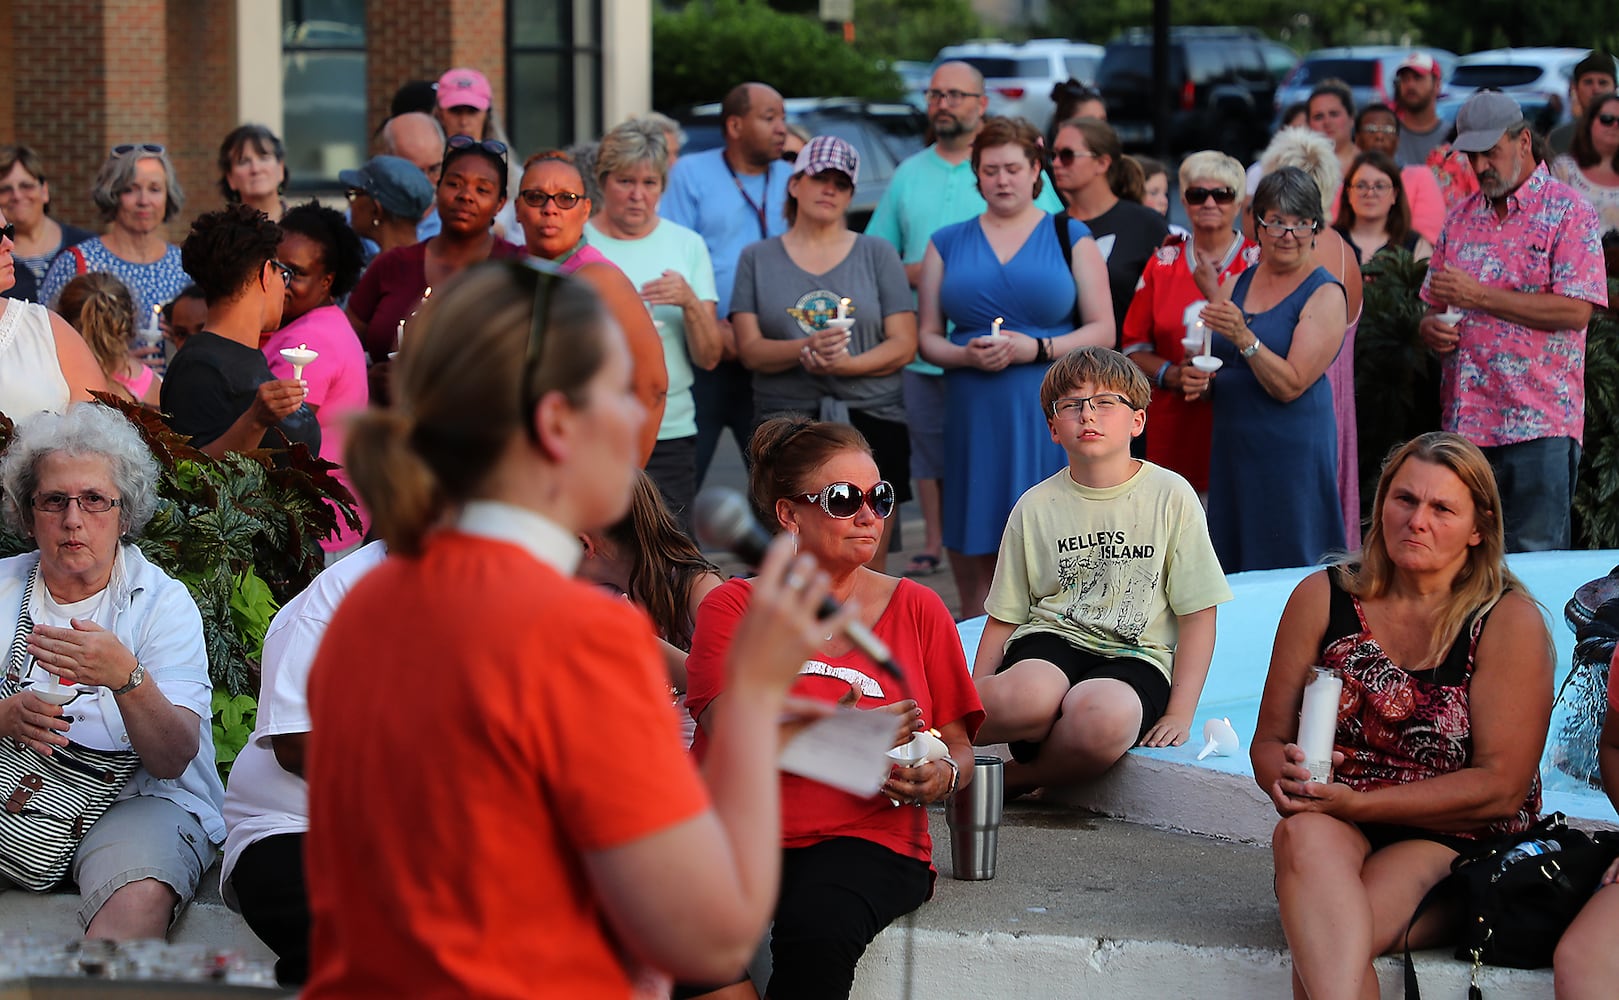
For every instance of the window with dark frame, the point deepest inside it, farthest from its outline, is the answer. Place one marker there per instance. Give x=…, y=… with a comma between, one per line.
x=323, y=90
x=553, y=73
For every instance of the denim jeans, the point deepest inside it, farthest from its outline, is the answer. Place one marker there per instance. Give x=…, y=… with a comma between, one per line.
x=1537, y=491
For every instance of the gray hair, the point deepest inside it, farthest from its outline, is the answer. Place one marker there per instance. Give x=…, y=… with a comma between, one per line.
x=118, y=173
x=1212, y=165
x=1289, y=191
x=663, y=123
x=629, y=145
x=85, y=429
x=584, y=155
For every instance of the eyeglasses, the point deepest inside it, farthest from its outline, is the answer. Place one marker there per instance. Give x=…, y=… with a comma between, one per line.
x=1371, y=187
x=9, y=232
x=1608, y=120
x=843, y=500
x=1297, y=230
x=90, y=503
x=457, y=143
x=1381, y=129
x=1221, y=195
x=535, y=198
x=1067, y=156
x=547, y=276
x=1102, y=404
x=353, y=193
x=285, y=270
x=949, y=96
x=124, y=149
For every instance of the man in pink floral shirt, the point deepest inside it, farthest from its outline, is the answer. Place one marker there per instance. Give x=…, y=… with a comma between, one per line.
x=1522, y=261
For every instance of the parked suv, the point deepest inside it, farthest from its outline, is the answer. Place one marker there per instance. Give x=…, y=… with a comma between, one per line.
x=1367, y=69
x=1018, y=78
x=1221, y=89
x=1516, y=71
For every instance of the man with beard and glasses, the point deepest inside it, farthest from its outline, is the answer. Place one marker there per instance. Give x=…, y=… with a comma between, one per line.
x=1521, y=262
x=932, y=189
x=731, y=196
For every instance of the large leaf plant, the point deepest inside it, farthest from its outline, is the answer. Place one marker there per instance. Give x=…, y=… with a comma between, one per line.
x=243, y=534
x=1596, y=491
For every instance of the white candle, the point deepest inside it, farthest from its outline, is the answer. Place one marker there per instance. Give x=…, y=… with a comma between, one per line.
x=1318, y=722
x=843, y=309
x=298, y=357
x=995, y=327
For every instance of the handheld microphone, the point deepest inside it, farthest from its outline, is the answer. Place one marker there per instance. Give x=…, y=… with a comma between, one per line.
x=724, y=520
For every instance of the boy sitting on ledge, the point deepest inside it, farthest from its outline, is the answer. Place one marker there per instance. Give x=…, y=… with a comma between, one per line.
x=1101, y=612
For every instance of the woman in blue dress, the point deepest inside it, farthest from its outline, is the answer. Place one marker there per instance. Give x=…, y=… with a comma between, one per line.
x=1006, y=264
x=1273, y=493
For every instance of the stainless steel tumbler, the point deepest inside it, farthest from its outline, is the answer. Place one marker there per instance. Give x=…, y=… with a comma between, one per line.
x=974, y=817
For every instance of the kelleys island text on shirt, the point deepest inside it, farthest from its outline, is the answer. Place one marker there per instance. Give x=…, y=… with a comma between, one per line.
x=1107, y=545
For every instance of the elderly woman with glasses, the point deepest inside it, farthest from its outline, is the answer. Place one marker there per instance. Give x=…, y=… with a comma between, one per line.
x=671, y=268
x=552, y=208
x=123, y=640
x=137, y=192
x=1178, y=429
x=25, y=198
x=1273, y=493
x=851, y=864
x=387, y=197
x=471, y=190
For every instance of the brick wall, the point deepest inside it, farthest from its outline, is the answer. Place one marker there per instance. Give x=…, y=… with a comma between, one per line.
x=420, y=39
x=202, y=99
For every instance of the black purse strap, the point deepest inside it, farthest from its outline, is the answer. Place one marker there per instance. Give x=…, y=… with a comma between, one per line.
x=25, y=627
x=1060, y=220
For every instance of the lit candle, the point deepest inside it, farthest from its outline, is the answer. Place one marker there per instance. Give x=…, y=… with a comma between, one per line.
x=995, y=327
x=843, y=308
x=1318, y=722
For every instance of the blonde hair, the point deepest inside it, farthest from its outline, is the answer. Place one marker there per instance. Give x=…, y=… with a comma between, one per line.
x=100, y=307
x=1211, y=164
x=1483, y=579
x=1312, y=153
x=458, y=392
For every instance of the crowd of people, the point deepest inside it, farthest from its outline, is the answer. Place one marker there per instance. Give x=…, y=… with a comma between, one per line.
x=523, y=369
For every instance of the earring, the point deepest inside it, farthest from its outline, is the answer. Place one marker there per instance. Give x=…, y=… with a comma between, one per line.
x=375, y=222
x=795, y=541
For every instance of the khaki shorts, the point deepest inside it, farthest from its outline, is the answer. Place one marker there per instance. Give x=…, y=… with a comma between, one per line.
x=140, y=837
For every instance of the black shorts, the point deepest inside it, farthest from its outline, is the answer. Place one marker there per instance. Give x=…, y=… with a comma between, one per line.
x=1383, y=834
x=890, y=442
x=1145, y=679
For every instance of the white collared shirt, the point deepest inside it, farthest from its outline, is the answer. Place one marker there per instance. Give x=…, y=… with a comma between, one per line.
x=541, y=537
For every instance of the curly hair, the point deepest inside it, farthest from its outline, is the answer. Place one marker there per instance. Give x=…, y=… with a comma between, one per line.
x=340, y=250
x=100, y=307
x=226, y=250
x=85, y=429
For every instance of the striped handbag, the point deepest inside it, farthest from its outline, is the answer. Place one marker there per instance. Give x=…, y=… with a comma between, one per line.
x=48, y=803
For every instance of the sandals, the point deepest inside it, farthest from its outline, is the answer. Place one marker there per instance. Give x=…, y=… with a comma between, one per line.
x=922, y=564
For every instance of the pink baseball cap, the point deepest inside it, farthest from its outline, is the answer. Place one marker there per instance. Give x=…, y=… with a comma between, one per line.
x=464, y=88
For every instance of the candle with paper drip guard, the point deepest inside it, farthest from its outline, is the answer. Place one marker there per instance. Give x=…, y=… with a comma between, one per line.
x=1219, y=738
x=842, y=321
x=50, y=688
x=298, y=357
x=1318, y=721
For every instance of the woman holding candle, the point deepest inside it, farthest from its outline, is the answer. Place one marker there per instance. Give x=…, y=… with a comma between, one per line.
x=552, y=209
x=851, y=865
x=825, y=319
x=471, y=189
x=1447, y=692
x=137, y=192
x=1274, y=431
x=1007, y=262
x=1178, y=429
x=557, y=832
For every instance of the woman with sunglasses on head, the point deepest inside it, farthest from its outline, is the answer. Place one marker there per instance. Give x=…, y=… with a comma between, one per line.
x=552, y=209
x=1591, y=165
x=850, y=865
x=1374, y=214
x=1273, y=468
x=787, y=296
x=522, y=811
x=137, y=192
x=1179, y=429
x=1103, y=188
x=471, y=189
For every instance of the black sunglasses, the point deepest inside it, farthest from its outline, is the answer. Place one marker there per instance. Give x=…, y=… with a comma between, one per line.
x=1221, y=195
x=843, y=500
x=494, y=147
x=124, y=149
x=1067, y=156
x=1608, y=120
x=547, y=276
x=9, y=232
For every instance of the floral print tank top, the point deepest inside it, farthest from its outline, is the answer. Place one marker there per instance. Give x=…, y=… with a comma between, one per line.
x=1396, y=726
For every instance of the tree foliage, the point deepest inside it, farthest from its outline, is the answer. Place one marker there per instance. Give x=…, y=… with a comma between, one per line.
x=912, y=29
x=702, y=51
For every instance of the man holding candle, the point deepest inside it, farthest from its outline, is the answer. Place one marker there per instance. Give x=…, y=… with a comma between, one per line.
x=1522, y=260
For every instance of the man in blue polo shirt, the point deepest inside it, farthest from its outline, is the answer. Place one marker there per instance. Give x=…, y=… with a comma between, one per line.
x=732, y=196
x=932, y=189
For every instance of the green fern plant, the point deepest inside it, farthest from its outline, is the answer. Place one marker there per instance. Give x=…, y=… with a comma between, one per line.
x=243, y=534
x=1596, y=491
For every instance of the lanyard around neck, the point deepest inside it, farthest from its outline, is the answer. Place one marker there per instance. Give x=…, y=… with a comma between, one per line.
x=759, y=206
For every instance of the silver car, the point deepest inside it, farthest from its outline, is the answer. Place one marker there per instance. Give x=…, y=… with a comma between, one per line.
x=1018, y=77
x=1547, y=71
x=1367, y=69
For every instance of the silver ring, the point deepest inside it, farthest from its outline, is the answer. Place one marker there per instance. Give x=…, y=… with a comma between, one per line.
x=795, y=582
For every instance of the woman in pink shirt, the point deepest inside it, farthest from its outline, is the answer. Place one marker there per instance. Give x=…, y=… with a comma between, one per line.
x=325, y=257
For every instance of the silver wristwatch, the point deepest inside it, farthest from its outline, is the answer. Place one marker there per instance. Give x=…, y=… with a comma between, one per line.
x=1251, y=350
x=135, y=677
